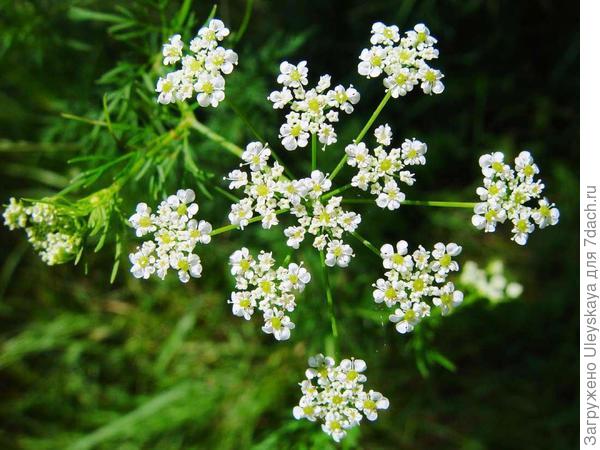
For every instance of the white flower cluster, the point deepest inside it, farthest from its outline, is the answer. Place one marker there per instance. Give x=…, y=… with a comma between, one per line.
x=490, y=282
x=335, y=395
x=175, y=234
x=313, y=111
x=202, y=70
x=504, y=195
x=402, y=60
x=55, y=236
x=411, y=279
x=381, y=171
x=270, y=290
x=267, y=190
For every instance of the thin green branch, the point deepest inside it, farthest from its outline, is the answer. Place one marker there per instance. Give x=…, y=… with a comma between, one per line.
x=331, y=312
x=366, y=243
x=217, y=138
x=313, y=164
x=226, y=228
x=363, y=132
x=434, y=203
x=336, y=191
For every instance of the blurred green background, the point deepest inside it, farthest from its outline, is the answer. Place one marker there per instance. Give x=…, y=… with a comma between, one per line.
x=160, y=365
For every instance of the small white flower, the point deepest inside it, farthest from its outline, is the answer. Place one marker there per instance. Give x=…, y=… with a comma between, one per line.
x=172, y=50
x=413, y=152
x=399, y=259
x=401, y=81
x=293, y=76
x=296, y=278
x=256, y=155
x=370, y=402
x=15, y=215
x=448, y=298
x=210, y=89
x=522, y=227
x=215, y=31
x=431, y=80
x=390, y=197
x=406, y=320
x=487, y=215
x=546, y=214
x=443, y=255
x=167, y=88
x=294, y=133
x=242, y=304
x=143, y=260
x=237, y=179
x=383, y=134
x=280, y=98
x=222, y=60
x=142, y=220
x=186, y=265
x=382, y=34
x=372, y=61
x=338, y=254
x=277, y=324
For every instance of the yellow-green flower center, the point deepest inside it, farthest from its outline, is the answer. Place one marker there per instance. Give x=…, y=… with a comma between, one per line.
x=145, y=222
x=418, y=285
x=207, y=87
x=369, y=404
x=262, y=190
x=385, y=165
x=445, y=260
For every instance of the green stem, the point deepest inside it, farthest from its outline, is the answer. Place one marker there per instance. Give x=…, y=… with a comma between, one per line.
x=226, y=194
x=226, y=228
x=363, y=132
x=313, y=165
x=440, y=204
x=210, y=134
x=332, y=319
x=336, y=191
x=366, y=243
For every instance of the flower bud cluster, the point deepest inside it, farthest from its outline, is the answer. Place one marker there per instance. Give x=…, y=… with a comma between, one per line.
x=54, y=234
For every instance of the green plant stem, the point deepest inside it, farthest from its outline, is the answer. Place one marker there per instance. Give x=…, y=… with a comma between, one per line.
x=226, y=228
x=363, y=132
x=210, y=134
x=434, y=203
x=366, y=243
x=238, y=112
x=313, y=165
x=226, y=193
x=336, y=191
x=332, y=319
